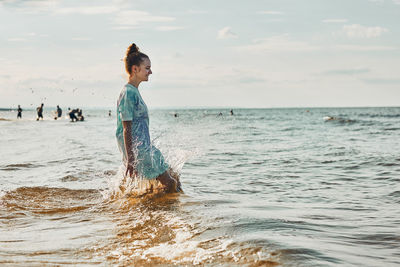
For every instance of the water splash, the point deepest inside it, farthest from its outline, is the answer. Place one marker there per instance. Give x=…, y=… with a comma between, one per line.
x=121, y=186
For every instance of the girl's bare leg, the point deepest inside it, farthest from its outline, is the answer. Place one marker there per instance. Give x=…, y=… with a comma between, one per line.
x=168, y=182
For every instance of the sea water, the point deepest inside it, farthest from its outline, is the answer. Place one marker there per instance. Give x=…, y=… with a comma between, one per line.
x=262, y=187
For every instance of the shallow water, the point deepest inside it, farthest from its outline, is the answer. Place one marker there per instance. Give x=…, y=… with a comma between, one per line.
x=265, y=187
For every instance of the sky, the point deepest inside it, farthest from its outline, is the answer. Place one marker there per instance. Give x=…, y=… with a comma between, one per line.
x=204, y=53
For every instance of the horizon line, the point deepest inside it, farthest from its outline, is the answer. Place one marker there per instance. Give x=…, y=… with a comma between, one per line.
x=215, y=107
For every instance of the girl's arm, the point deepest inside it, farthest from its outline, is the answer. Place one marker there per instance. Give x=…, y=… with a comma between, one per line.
x=127, y=131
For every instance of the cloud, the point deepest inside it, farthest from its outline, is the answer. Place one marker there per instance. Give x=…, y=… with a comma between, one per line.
x=24, y=37
x=334, y=21
x=226, y=33
x=134, y=18
x=54, y=7
x=347, y=71
x=123, y=17
x=16, y=39
x=359, y=31
x=278, y=43
x=169, y=28
x=87, y=10
x=29, y=7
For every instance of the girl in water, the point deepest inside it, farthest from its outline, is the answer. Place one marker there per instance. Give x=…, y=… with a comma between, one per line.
x=140, y=157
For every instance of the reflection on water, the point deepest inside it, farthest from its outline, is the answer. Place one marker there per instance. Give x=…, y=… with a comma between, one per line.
x=41, y=225
x=153, y=229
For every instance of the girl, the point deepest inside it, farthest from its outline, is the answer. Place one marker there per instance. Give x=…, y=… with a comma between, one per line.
x=140, y=157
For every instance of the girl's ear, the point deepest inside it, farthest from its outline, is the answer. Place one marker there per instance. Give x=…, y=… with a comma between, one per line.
x=135, y=69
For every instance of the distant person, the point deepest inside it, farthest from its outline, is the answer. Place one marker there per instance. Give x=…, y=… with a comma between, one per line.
x=176, y=115
x=220, y=114
x=80, y=116
x=232, y=112
x=19, y=115
x=72, y=115
x=40, y=112
x=109, y=113
x=59, y=111
x=139, y=155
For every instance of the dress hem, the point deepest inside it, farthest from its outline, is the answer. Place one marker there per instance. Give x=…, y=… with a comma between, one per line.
x=155, y=177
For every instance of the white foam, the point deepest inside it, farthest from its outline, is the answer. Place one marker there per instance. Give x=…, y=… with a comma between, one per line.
x=120, y=186
x=2, y=194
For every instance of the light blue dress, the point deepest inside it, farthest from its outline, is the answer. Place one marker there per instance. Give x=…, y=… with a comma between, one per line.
x=150, y=162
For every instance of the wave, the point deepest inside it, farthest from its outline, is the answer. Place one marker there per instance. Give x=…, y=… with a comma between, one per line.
x=69, y=178
x=146, y=231
x=158, y=232
x=338, y=119
x=18, y=166
x=48, y=200
x=376, y=115
x=391, y=129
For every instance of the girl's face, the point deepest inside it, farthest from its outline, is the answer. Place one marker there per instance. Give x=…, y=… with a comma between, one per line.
x=143, y=71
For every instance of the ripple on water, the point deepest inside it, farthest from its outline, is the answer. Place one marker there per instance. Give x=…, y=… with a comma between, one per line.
x=69, y=178
x=305, y=255
x=384, y=239
x=47, y=200
x=19, y=166
x=395, y=196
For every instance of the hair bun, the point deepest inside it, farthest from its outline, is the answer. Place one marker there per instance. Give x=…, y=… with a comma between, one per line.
x=133, y=57
x=132, y=49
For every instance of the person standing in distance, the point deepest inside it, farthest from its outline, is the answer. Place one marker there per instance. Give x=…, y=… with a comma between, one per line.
x=19, y=115
x=40, y=112
x=140, y=157
x=59, y=111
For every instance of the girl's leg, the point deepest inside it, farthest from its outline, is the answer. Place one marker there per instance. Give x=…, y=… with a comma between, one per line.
x=168, y=182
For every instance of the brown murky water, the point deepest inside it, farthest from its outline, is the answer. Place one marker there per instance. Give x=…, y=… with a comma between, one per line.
x=65, y=226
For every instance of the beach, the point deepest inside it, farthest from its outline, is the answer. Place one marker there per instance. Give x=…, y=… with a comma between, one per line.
x=262, y=187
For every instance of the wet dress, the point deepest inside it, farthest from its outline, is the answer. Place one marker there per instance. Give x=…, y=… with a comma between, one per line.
x=150, y=162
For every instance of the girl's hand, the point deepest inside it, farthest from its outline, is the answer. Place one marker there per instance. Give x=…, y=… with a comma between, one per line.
x=130, y=170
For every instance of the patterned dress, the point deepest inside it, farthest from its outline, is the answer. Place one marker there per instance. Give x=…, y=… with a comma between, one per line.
x=150, y=162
